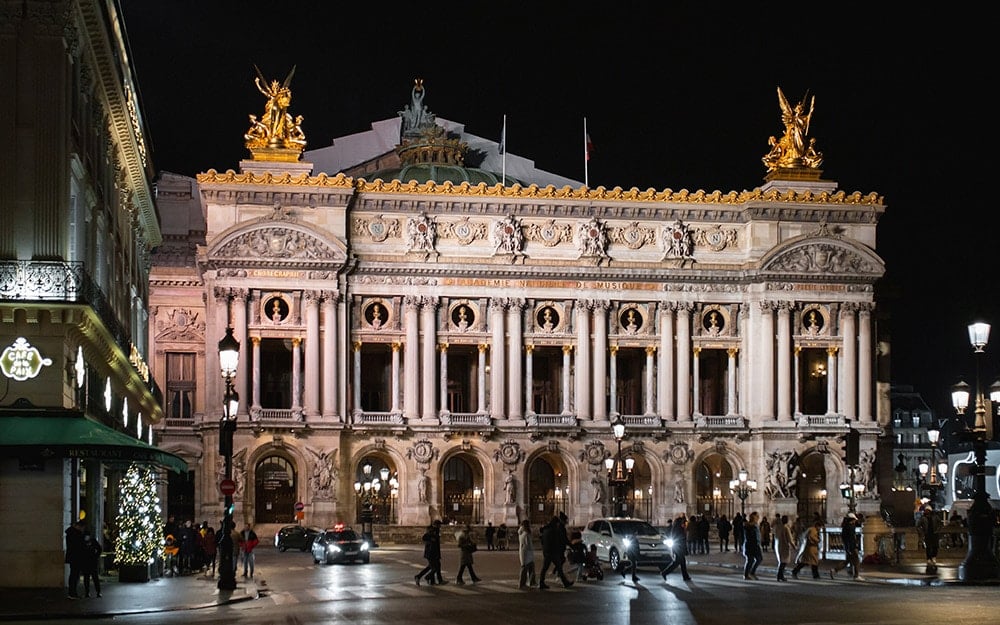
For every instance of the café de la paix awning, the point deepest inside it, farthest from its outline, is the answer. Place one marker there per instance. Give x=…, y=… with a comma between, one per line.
x=60, y=436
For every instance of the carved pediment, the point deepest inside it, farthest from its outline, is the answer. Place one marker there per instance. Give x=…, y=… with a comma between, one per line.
x=824, y=257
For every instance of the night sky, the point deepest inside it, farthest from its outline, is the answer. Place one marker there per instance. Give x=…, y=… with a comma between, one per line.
x=675, y=97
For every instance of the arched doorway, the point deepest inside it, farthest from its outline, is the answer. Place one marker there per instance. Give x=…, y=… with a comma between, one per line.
x=810, y=488
x=712, y=478
x=274, y=490
x=463, y=490
x=548, y=488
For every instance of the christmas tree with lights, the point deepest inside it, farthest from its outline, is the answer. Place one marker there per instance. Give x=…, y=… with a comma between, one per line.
x=140, y=526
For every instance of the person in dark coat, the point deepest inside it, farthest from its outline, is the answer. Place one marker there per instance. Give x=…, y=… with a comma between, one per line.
x=751, y=546
x=92, y=551
x=490, y=533
x=738, y=523
x=76, y=555
x=679, y=536
x=209, y=548
x=724, y=527
x=187, y=544
x=432, y=553
x=554, y=543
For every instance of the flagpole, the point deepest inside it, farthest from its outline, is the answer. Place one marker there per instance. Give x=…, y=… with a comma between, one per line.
x=586, y=178
x=503, y=149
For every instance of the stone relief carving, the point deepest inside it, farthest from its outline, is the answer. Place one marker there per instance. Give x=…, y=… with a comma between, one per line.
x=181, y=324
x=679, y=453
x=822, y=258
x=509, y=453
x=325, y=472
x=277, y=242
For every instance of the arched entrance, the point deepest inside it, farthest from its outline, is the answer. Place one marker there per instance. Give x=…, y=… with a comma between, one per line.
x=548, y=488
x=810, y=488
x=712, y=477
x=462, y=478
x=376, y=487
x=274, y=491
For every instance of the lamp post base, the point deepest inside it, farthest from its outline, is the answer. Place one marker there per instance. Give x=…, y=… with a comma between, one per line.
x=979, y=563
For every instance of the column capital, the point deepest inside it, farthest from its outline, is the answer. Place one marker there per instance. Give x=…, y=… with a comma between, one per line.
x=832, y=350
x=651, y=349
x=567, y=349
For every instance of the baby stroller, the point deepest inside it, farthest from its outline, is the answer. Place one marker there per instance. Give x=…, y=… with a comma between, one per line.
x=592, y=565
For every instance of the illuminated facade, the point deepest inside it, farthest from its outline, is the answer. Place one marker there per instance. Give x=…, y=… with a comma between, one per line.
x=77, y=224
x=398, y=306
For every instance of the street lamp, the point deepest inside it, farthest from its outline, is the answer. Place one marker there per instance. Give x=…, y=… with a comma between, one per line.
x=365, y=489
x=229, y=359
x=822, y=498
x=477, y=495
x=716, y=496
x=979, y=563
x=619, y=472
x=742, y=487
x=930, y=471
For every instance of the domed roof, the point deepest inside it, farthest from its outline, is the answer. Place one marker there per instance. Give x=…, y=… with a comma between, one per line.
x=428, y=153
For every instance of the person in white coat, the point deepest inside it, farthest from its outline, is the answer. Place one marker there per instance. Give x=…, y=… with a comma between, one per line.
x=526, y=555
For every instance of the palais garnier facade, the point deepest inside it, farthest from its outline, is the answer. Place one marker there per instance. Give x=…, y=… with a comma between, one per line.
x=431, y=329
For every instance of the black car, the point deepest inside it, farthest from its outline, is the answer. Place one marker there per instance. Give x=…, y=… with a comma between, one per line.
x=296, y=537
x=340, y=544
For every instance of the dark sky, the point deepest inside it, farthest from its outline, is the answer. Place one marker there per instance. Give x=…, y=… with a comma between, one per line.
x=675, y=97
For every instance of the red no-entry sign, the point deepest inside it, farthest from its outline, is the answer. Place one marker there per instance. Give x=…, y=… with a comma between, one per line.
x=227, y=487
x=299, y=506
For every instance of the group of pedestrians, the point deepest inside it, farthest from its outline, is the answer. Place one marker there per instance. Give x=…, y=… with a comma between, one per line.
x=83, y=555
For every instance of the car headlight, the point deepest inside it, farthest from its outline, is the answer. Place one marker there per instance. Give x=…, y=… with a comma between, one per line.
x=627, y=543
x=364, y=546
x=333, y=548
x=669, y=542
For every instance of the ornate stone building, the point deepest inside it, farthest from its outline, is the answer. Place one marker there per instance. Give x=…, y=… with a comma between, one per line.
x=399, y=306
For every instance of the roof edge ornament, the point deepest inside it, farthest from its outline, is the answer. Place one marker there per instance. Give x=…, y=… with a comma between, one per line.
x=421, y=139
x=794, y=156
x=276, y=136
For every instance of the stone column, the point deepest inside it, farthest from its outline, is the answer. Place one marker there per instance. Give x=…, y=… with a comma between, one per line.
x=601, y=360
x=784, y=362
x=696, y=381
x=255, y=364
x=613, y=375
x=394, y=389
x=515, y=312
x=411, y=361
x=240, y=297
x=331, y=368
x=766, y=361
x=582, y=360
x=428, y=368
x=481, y=399
x=797, y=383
x=849, y=358
x=497, y=366
x=665, y=372
x=650, y=379
x=831, y=380
x=732, y=409
x=683, y=361
x=312, y=377
x=297, y=378
x=865, y=380
x=567, y=408
x=443, y=390
x=357, y=377
x=529, y=379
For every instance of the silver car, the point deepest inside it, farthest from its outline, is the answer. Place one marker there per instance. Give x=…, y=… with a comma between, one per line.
x=614, y=537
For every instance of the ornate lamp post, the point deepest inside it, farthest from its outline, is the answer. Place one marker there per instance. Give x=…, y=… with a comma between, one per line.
x=930, y=471
x=822, y=498
x=364, y=489
x=229, y=358
x=979, y=563
x=742, y=487
x=716, y=495
x=477, y=497
x=619, y=473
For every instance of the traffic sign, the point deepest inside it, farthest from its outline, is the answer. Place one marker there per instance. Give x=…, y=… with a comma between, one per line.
x=299, y=506
x=227, y=487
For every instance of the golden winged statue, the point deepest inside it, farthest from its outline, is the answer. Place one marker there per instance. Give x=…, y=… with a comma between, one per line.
x=276, y=135
x=792, y=151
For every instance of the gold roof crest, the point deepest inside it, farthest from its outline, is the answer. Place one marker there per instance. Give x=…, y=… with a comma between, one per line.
x=792, y=154
x=276, y=136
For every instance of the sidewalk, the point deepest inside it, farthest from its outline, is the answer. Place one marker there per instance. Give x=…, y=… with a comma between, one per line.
x=184, y=592
x=915, y=573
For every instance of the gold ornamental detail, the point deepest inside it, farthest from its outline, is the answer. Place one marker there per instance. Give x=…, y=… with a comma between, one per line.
x=276, y=136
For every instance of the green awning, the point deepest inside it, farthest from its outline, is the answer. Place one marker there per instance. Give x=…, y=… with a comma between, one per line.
x=78, y=437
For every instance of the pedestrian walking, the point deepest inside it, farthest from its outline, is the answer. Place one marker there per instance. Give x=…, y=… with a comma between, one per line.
x=554, y=541
x=210, y=550
x=765, y=533
x=490, y=534
x=432, y=553
x=738, y=522
x=526, y=554
x=809, y=549
x=91, y=564
x=849, y=536
x=248, y=541
x=784, y=546
x=752, y=552
x=704, y=531
x=187, y=542
x=678, y=533
x=502, y=537
x=929, y=528
x=466, y=546
x=75, y=556
x=724, y=527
